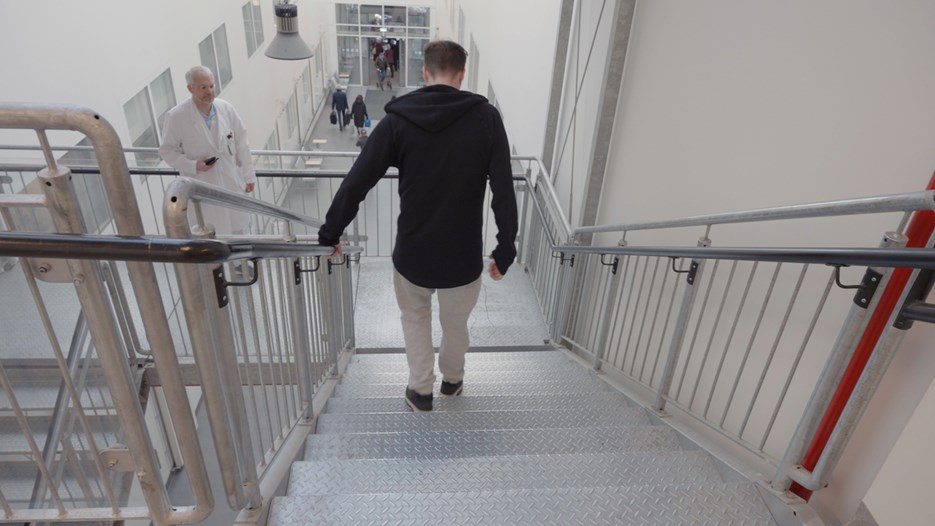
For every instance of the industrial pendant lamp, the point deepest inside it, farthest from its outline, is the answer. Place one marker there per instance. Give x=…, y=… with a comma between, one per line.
x=287, y=44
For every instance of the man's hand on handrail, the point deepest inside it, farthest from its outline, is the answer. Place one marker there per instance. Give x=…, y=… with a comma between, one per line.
x=337, y=252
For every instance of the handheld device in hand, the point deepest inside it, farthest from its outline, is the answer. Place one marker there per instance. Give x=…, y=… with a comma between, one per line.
x=210, y=160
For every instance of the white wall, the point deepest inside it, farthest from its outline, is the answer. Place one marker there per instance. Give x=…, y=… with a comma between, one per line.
x=99, y=53
x=731, y=105
x=516, y=44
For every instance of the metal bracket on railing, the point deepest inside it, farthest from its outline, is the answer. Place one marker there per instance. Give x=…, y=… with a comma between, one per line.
x=612, y=264
x=692, y=269
x=560, y=256
x=332, y=264
x=298, y=270
x=865, y=289
x=351, y=259
x=221, y=284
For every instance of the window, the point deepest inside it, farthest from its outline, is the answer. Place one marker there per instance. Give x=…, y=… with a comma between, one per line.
x=146, y=115
x=215, y=56
x=307, y=83
x=163, y=97
x=252, y=26
x=473, y=67
x=292, y=116
x=271, y=162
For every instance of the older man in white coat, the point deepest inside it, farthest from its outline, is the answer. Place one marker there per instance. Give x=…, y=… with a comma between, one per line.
x=205, y=138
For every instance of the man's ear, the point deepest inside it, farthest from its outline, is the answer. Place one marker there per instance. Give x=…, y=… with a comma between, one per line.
x=425, y=75
x=460, y=78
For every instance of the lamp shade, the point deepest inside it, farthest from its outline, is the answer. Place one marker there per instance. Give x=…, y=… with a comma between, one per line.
x=287, y=44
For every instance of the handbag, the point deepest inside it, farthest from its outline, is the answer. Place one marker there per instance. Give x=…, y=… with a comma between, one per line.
x=347, y=119
x=334, y=117
x=367, y=122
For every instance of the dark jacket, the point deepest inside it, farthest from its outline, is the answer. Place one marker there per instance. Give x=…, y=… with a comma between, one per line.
x=359, y=111
x=447, y=144
x=339, y=101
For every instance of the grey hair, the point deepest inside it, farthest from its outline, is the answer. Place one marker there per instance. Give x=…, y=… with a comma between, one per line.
x=197, y=71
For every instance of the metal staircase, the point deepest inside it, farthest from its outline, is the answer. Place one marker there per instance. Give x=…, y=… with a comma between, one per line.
x=535, y=438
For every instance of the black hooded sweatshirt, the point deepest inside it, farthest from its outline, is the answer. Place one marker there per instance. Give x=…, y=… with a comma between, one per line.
x=446, y=144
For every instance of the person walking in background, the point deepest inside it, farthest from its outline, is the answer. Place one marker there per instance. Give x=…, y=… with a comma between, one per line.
x=359, y=111
x=447, y=144
x=380, y=64
x=390, y=59
x=205, y=138
x=339, y=105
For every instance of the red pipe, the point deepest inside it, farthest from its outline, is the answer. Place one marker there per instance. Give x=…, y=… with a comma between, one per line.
x=919, y=231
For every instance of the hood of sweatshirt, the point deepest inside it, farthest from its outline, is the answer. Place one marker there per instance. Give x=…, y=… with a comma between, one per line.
x=434, y=108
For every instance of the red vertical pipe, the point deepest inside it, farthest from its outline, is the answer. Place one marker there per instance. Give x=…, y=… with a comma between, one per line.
x=919, y=231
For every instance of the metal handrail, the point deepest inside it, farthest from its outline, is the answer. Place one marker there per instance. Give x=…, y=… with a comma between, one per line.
x=156, y=250
x=873, y=257
x=865, y=205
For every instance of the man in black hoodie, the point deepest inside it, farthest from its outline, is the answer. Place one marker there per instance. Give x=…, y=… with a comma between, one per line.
x=447, y=145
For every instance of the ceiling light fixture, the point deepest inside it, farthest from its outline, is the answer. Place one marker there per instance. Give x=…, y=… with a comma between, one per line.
x=287, y=44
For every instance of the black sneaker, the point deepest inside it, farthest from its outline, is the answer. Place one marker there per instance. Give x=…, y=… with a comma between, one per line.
x=418, y=402
x=450, y=389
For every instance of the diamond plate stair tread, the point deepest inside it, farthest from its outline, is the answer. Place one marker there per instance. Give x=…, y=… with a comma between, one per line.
x=612, y=416
x=501, y=473
x=490, y=443
x=472, y=375
x=483, y=364
x=722, y=504
x=470, y=357
x=476, y=389
x=470, y=402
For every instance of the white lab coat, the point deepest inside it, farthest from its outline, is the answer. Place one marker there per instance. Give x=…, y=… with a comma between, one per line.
x=186, y=139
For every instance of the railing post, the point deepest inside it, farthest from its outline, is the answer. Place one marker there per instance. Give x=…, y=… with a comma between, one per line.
x=600, y=349
x=854, y=326
x=295, y=295
x=348, y=300
x=560, y=301
x=89, y=285
x=523, y=229
x=681, y=324
x=331, y=315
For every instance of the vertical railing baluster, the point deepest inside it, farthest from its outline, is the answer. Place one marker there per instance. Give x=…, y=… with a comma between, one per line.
x=681, y=324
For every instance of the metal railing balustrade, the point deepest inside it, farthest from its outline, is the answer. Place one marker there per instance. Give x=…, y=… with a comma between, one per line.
x=261, y=353
x=733, y=337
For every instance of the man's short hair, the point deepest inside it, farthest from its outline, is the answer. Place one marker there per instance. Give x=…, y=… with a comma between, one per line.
x=444, y=56
x=197, y=71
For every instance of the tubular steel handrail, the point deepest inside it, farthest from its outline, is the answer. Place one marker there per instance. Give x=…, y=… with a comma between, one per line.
x=924, y=200
x=873, y=257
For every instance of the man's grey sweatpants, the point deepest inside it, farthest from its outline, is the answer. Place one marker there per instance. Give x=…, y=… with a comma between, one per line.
x=454, y=306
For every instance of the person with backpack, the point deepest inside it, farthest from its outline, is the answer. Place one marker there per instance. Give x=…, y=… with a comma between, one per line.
x=381, y=65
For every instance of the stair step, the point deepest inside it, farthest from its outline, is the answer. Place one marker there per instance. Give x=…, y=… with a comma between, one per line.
x=490, y=443
x=471, y=357
x=492, y=374
x=722, y=504
x=501, y=473
x=471, y=402
x=397, y=390
x=608, y=416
